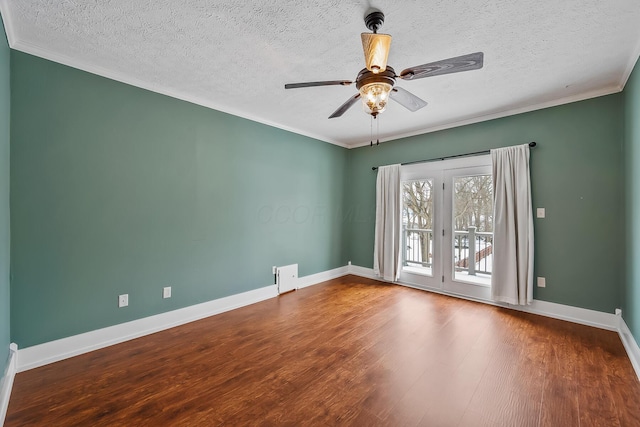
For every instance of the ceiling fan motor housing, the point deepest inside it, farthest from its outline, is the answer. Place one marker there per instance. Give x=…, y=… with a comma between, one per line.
x=365, y=77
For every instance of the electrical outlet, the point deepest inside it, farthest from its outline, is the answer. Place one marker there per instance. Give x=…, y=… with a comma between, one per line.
x=542, y=283
x=123, y=300
x=540, y=212
x=166, y=292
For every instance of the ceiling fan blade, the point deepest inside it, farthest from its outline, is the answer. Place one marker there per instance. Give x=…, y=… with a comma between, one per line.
x=407, y=99
x=472, y=61
x=312, y=84
x=344, y=107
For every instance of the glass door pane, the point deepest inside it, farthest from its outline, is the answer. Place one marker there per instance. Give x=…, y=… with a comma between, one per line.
x=468, y=228
x=421, y=226
x=417, y=226
x=472, y=229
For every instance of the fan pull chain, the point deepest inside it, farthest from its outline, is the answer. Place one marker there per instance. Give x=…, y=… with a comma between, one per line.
x=372, y=130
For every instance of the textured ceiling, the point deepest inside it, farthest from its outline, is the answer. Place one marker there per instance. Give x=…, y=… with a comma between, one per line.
x=236, y=56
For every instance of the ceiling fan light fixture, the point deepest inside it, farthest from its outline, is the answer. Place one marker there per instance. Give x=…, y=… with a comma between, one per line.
x=375, y=97
x=376, y=51
x=376, y=82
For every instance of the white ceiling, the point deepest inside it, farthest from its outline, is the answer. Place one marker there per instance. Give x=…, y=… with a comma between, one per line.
x=236, y=56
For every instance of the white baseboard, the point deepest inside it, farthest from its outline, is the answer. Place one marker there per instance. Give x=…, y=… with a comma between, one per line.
x=6, y=383
x=314, y=279
x=53, y=351
x=582, y=316
x=363, y=272
x=631, y=345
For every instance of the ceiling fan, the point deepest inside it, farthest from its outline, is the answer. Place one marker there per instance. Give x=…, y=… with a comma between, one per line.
x=376, y=82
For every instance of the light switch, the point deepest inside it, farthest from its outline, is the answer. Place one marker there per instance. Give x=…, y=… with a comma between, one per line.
x=540, y=212
x=542, y=283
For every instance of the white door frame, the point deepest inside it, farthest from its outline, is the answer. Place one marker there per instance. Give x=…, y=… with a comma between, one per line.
x=443, y=173
x=423, y=171
x=450, y=283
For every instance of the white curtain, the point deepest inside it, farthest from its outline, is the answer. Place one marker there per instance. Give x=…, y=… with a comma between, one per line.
x=386, y=249
x=512, y=275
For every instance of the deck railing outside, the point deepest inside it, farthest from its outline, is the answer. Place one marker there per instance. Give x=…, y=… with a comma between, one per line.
x=418, y=244
x=473, y=245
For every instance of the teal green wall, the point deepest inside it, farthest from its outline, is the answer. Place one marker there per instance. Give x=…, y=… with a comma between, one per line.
x=631, y=294
x=5, y=98
x=115, y=189
x=576, y=173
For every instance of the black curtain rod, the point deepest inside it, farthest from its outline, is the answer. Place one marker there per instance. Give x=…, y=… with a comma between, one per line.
x=477, y=153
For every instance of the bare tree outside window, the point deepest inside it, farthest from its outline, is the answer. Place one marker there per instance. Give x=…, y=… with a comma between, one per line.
x=473, y=205
x=417, y=219
x=472, y=223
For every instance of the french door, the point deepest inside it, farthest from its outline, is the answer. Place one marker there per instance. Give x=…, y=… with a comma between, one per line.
x=447, y=226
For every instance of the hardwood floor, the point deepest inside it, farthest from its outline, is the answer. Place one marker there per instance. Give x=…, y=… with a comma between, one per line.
x=350, y=351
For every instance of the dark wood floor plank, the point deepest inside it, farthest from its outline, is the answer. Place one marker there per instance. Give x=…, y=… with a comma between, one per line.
x=595, y=399
x=510, y=392
x=352, y=352
x=560, y=392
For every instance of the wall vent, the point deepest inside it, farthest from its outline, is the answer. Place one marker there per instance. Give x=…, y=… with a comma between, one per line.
x=287, y=278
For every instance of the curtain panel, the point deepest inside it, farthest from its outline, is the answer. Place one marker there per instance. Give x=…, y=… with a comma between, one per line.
x=512, y=275
x=386, y=249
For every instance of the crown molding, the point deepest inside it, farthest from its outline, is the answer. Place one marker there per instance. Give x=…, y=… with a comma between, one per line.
x=8, y=22
x=630, y=66
x=123, y=78
x=506, y=113
x=49, y=55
